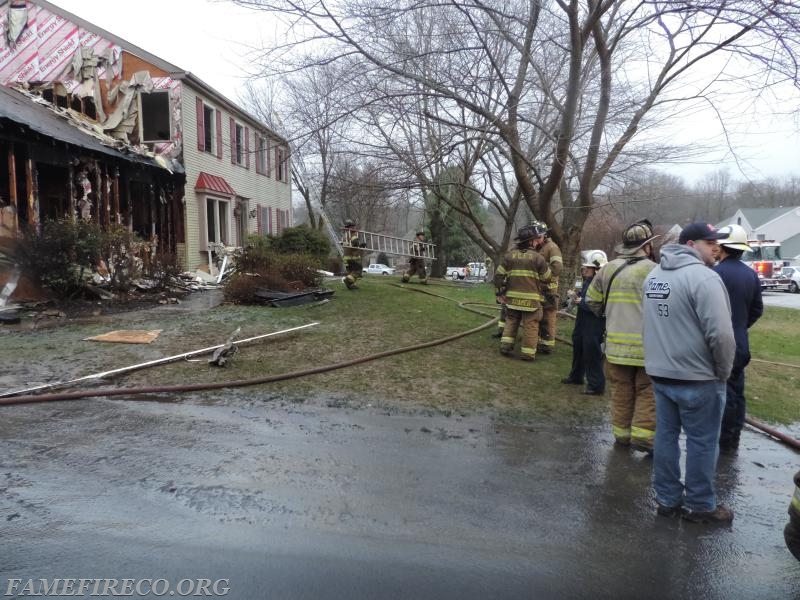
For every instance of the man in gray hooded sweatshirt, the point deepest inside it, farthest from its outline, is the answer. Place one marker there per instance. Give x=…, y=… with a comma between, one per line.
x=688, y=354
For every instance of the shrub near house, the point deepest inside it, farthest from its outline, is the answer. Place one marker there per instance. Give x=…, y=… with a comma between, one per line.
x=279, y=263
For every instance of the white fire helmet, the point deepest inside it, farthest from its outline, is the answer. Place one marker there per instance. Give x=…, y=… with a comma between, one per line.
x=735, y=237
x=594, y=259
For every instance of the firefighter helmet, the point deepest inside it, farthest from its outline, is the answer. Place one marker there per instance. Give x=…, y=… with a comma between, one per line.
x=595, y=259
x=529, y=232
x=735, y=237
x=349, y=223
x=422, y=233
x=541, y=227
x=635, y=236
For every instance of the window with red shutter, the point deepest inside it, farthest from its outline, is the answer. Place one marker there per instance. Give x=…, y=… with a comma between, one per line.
x=233, y=140
x=201, y=130
x=219, y=134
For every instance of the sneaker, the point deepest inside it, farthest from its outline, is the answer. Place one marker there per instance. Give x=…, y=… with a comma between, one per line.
x=668, y=511
x=571, y=381
x=722, y=514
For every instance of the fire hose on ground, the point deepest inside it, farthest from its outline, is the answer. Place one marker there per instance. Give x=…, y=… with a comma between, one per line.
x=78, y=394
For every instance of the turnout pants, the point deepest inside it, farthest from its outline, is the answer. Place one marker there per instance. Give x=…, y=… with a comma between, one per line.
x=415, y=267
x=633, y=408
x=548, y=336
x=529, y=322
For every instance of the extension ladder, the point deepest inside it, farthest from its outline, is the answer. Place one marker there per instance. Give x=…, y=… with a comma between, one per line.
x=378, y=242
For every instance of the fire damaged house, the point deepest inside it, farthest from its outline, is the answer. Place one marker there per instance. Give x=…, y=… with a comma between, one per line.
x=128, y=138
x=58, y=168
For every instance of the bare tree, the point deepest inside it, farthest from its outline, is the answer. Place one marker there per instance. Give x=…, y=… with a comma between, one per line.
x=594, y=78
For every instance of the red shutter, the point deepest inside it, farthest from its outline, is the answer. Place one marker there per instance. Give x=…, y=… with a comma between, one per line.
x=268, y=159
x=233, y=141
x=246, y=147
x=257, y=142
x=258, y=220
x=201, y=126
x=219, y=133
x=270, y=220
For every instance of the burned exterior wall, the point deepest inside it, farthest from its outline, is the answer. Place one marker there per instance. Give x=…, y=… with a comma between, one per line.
x=94, y=84
x=77, y=69
x=45, y=179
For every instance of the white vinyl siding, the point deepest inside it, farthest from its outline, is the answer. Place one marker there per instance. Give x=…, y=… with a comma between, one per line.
x=258, y=190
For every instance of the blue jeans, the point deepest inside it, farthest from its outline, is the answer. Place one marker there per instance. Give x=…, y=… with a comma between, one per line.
x=696, y=406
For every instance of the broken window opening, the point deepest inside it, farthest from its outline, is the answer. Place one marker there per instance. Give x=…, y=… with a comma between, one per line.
x=85, y=106
x=88, y=108
x=155, y=121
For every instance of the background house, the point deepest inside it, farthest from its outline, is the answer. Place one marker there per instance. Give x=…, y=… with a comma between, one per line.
x=780, y=224
x=236, y=169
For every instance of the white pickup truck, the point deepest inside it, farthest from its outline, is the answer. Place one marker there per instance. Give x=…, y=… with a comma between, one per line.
x=473, y=271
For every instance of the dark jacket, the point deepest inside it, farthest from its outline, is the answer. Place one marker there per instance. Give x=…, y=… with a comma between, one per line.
x=744, y=291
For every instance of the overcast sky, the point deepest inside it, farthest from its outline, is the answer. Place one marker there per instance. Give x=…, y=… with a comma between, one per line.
x=210, y=39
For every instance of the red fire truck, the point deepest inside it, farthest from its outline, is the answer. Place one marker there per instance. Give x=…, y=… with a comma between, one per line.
x=765, y=259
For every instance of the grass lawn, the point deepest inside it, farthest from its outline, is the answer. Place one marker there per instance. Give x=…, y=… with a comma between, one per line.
x=463, y=376
x=772, y=387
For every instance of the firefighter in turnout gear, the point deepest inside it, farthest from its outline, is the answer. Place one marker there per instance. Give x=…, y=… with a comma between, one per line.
x=552, y=254
x=416, y=264
x=352, y=255
x=521, y=283
x=616, y=293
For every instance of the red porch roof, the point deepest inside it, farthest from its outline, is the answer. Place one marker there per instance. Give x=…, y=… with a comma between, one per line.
x=213, y=183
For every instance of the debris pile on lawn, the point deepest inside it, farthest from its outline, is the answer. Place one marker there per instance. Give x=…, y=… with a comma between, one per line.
x=279, y=299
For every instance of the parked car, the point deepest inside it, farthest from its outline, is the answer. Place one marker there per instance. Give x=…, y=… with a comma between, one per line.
x=379, y=269
x=474, y=271
x=792, y=273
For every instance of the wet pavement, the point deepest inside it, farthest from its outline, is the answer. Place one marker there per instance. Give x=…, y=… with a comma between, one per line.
x=783, y=299
x=317, y=500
